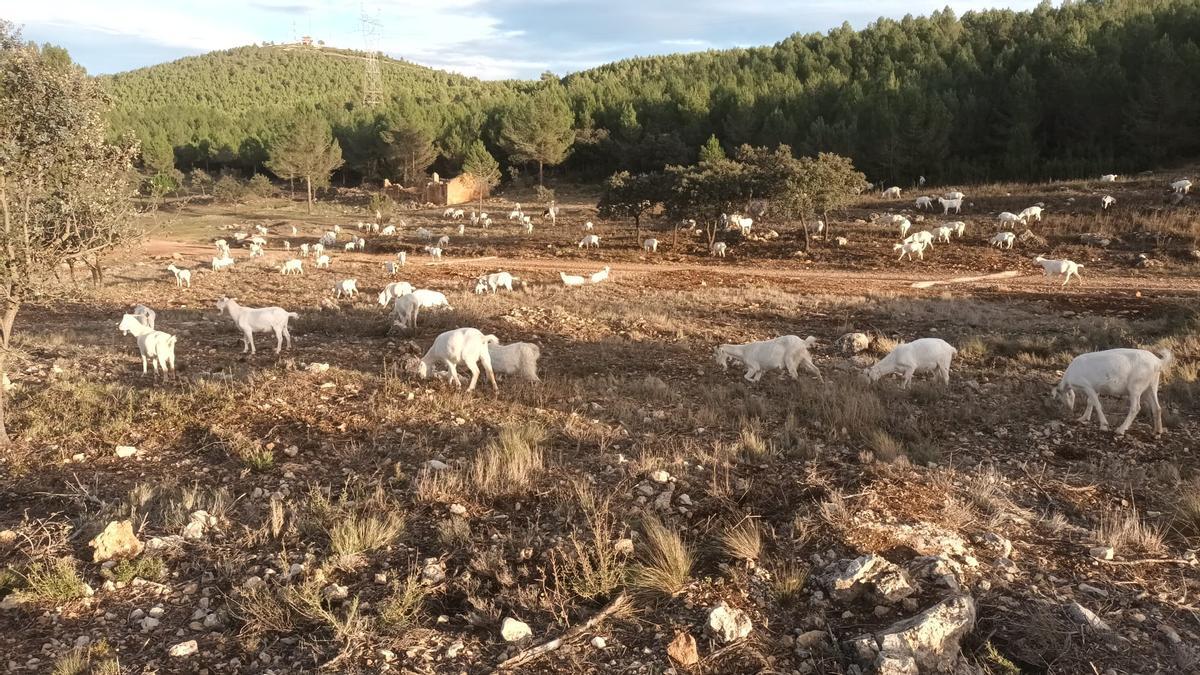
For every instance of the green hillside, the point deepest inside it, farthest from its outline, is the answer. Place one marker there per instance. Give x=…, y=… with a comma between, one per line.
x=1089, y=87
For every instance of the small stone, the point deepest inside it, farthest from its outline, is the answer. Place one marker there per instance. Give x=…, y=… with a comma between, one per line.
x=291, y=451
x=458, y=509
x=126, y=451
x=599, y=642
x=728, y=624
x=433, y=572
x=335, y=593
x=683, y=651
x=387, y=655
x=1171, y=633
x=623, y=547
x=149, y=623
x=157, y=612
x=213, y=620
x=436, y=465
x=811, y=639
x=1102, y=552
x=136, y=615
x=183, y=649
x=1086, y=617
x=381, y=578
x=253, y=583
x=660, y=476
x=455, y=649
x=513, y=630
x=116, y=541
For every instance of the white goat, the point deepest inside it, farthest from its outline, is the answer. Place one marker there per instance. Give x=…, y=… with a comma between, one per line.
x=924, y=237
x=443, y=241
x=572, y=279
x=293, y=266
x=1108, y=178
x=1053, y=268
x=152, y=344
x=954, y=194
x=346, y=287
x=515, y=214
x=892, y=193
x=457, y=214
x=350, y=246
x=493, y=282
x=448, y=212
x=402, y=257
x=718, y=249
x=1117, y=372
x=1182, y=186
x=948, y=204
x=393, y=291
x=942, y=234
x=786, y=352
x=1107, y=201
x=918, y=356
x=221, y=263
x=424, y=234
x=323, y=262
x=328, y=239
x=905, y=226
x=590, y=240
x=518, y=358
x=388, y=231
x=1008, y=218
x=958, y=226
x=391, y=268
x=909, y=248
x=144, y=314
x=600, y=276
x=1003, y=240
x=303, y=250
x=467, y=346
x=650, y=245
x=406, y=307
x=434, y=252
x=250, y=321
x=183, y=277
x=924, y=203
x=1034, y=212
x=587, y=227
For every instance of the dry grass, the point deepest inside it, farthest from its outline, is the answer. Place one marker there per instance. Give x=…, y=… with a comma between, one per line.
x=1123, y=529
x=511, y=462
x=665, y=563
x=148, y=567
x=53, y=582
x=358, y=533
x=884, y=446
x=789, y=580
x=754, y=446
x=588, y=565
x=262, y=612
x=742, y=540
x=401, y=609
x=1187, y=508
x=96, y=659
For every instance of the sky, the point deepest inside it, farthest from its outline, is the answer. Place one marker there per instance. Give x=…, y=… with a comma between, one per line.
x=491, y=39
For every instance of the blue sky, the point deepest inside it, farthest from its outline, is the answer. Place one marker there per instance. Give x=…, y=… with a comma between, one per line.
x=485, y=38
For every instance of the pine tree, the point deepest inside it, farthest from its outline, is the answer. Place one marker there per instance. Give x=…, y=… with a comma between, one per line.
x=539, y=129
x=308, y=151
x=482, y=168
x=409, y=148
x=711, y=151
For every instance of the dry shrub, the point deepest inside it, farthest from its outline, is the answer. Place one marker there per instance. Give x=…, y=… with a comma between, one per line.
x=754, y=446
x=509, y=463
x=845, y=404
x=835, y=511
x=53, y=582
x=665, y=563
x=400, y=610
x=358, y=533
x=589, y=566
x=1187, y=508
x=1123, y=529
x=884, y=446
x=789, y=581
x=742, y=540
x=262, y=612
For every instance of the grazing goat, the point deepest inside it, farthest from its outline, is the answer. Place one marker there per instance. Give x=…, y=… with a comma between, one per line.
x=152, y=344
x=183, y=277
x=600, y=276
x=571, y=279
x=1052, y=268
x=144, y=314
x=221, y=263
x=323, y=262
x=1034, y=212
x=924, y=203
x=518, y=358
x=388, y=231
x=443, y=241
x=346, y=287
x=924, y=237
x=650, y=245
x=955, y=194
x=434, y=252
x=787, y=351
x=942, y=234
x=1182, y=186
x=303, y=250
x=892, y=193
x=918, y=356
x=589, y=240
x=293, y=266
x=1003, y=240
x=1008, y=218
x=587, y=227
x=391, y=268
x=250, y=320
x=350, y=246
x=393, y=291
x=718, y=249
x=457, y=214
x=1107, y=201
x=318, y=249
x=406, y=307
x=492, y=282
x=1108, y=178
x=1117, y=372
x=402, y=257
x=905, y=226
x=467, y=346
x=909, y=248
x=448, y=212
x=948, y=204
x=958, y=226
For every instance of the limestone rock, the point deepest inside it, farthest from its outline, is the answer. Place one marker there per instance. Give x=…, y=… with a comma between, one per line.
x=126, y=451
x=851, y=579
x=728, y=624
x=683, y=650
x=183, y=649
x=927, y=642
x=1086, y=617
x=513, y=630
x=116, y=541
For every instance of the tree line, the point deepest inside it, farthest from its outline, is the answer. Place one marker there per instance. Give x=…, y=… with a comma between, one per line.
x=1084, y=88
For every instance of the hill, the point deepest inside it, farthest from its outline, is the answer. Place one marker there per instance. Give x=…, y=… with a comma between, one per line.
x=1085, y=88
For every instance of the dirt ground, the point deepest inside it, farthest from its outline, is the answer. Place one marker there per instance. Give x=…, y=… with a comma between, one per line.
x=329, y=542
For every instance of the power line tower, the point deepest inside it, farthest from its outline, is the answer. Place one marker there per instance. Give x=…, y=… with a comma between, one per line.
x=372, y=84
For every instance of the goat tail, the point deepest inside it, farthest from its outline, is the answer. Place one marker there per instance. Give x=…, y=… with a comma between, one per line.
x=491, y=340
x=171, y=342
x=1167, y=358
x=293, y=315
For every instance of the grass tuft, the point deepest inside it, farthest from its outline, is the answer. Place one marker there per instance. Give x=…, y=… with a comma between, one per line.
x=54, y=582
x=742, y=540
x=148, y=567
x=509, y=463
x=400, y=610
x=665, y=564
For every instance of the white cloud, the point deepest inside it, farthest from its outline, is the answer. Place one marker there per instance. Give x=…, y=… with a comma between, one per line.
x=139, y=20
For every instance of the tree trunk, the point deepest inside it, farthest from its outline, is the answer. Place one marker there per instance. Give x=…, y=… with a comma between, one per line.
x=804, y=224
x=637, y=229
x=675, y=238
x=308, y=186
x=540, y=184
x=6, y=326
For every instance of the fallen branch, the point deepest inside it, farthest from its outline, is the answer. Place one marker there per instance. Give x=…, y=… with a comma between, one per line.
x=546, y=647
x=1147, y=561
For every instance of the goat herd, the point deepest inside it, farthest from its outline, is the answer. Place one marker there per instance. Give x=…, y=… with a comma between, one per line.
x=1134, y=373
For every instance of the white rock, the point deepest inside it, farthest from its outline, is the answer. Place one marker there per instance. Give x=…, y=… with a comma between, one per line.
x=928, y=641
x=660, y=476
x=455, y=649
x=728, y=624
x=183, y=649
x=513, y=630
x=433, y=572
x=125, y=451
x=436, y=465
x=149, y=623
x=335, y=592
x=599, y=642
x=157, y=612
x=1102, y=552
x=1086, y=617
x=458, y=509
